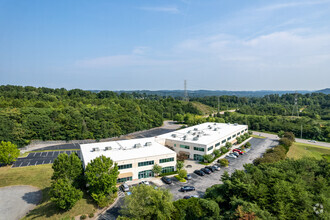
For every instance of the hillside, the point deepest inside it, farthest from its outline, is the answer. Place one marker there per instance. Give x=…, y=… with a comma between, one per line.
x=205, y=109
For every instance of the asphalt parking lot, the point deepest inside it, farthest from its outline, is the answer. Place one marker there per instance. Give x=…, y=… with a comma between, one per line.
x=39, y=158
x=201, y=183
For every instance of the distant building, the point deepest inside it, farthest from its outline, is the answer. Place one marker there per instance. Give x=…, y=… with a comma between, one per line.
x=135, y=157
x=198, y=140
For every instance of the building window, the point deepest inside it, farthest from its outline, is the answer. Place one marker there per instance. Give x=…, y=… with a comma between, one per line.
x=198, y=157
x=146, y=174
x=199, y=149
x=122, y=180
x=184, y=146
x=234, y=135
x=223, y=141
x=167, y=169
x=146, y=163
x=174, y=145
x=125, y=166
x=238, y=133
x=228, y=138
x=217, y=144
x=166, y=160
x=245, y=129
x=210, y=148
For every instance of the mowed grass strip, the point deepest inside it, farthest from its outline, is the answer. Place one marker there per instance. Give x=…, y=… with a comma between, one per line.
x=40, y=176
x=299, y=150
x=257, y=136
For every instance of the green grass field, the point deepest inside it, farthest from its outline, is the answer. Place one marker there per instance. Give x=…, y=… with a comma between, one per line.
x=257, y=136
x=39, y=176
x=299, y=150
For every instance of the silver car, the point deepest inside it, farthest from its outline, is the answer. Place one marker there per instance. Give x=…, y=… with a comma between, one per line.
x=124, y=187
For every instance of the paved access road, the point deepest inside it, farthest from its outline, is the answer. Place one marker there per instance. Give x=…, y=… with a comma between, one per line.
x=39, y=158
x=16, y=201
x=258, y=147
x=299, y=140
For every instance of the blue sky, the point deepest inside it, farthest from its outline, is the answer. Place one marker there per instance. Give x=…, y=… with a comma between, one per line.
x=131, y=45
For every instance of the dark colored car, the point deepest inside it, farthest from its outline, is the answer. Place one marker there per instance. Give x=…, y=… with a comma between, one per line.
x=211, y=168
x=236, y=154
x=207, y=171
x=166, y=180
x=187, y=188
x=199, y=172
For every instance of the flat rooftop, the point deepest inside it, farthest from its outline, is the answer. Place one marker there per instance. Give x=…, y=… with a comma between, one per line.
x=205, y=133
x=124, y=149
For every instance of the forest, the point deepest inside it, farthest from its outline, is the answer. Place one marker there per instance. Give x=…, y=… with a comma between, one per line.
x=28, y=113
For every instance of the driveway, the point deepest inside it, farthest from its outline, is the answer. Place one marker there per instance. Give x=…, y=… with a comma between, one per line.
x=17, y=201
x=299, y=140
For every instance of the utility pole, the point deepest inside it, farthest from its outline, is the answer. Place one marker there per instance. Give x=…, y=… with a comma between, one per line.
x=301, y=131
x=185, y=91
x=218, y=104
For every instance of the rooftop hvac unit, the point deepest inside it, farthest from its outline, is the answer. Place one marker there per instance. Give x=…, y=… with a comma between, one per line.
x=188, y=132
x=174, y=135
x=228, y=123
x=138, y=145
x=195, y=138
x=195, y=129
x=215, y=123
x=210, y=127
x=194, y=133
x=148, y=144
x=235, y=124
x=107, y=148
x=215, y=129
x=96, y=149
x=198, y=136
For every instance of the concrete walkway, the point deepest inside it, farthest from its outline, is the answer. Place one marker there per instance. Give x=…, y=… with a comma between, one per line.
x=17, y=201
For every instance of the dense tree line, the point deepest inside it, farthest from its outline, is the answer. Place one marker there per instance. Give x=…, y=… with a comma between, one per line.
x=28, y=113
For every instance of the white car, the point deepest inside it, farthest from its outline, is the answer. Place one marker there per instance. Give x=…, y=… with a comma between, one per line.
x=145, y=182
x=216, y=167
x=232, y=156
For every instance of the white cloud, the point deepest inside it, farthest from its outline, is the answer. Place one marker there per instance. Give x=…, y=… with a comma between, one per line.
x=169, y=9
x=291, y=5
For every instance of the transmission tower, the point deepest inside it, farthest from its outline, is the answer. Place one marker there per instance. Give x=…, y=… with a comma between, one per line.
x=295, y=108
x=186, y=98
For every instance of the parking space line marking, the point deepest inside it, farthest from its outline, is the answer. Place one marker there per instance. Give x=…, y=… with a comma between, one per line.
x=28, y=164
x=36, y=163
x=50, y=161
x=43, y=162
x=34, y=154
x=47, y=154
x=21, y=164
x=53, y=153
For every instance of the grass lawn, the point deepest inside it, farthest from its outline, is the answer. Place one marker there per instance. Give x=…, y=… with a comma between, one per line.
x=39, y=176
x=299, y=150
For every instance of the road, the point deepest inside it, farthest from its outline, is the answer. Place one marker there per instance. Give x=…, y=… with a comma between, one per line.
x=299, y=140
x=258, y=147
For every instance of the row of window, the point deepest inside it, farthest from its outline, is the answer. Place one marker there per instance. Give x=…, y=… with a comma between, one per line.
x=122, y=180
x=199, y=149
x=146, y=163
x=166, y=160
x=184, y=146
x=210, y=148
x=125, y=166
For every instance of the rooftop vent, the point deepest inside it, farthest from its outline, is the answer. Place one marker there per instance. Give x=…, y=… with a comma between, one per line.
x=95, y=149
x=174, y=135
x=215, y=129
x=195, y=138
x=188, y=132
x=235, y=124
x=107, y=148
x=195, y=129
x=215, y=123
x=138, y=145
x=148, y=144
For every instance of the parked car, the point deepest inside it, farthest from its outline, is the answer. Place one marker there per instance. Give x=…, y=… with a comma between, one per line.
x=211, y=168
x=236, y=154
x=187, y=188
x=188, y=177
x=216, y=167
x=193, y=196
x=145, y=182
x=231, y=155
x=124, y=187
x=199, y=172
x=207, y=171
x=166, y=180
x=238, y=151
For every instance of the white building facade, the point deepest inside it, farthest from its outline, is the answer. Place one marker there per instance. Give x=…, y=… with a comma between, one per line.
x=198, y=140
x=135, y=157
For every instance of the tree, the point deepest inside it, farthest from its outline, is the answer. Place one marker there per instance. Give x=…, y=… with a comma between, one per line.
x=182, y=173
x=178, y=117
x=179, y=165
x=63, y=194
x=280, y=134
x=208, y=157
x=224, y=150
x=148, y=203
x=290, y=136
x=286, y=143
x=8, y=152
x=68, y=167
x=216, y=153
x=248, y=144
x=101, y=177
x=228, y=145
x=224, y=162
x=156, y=169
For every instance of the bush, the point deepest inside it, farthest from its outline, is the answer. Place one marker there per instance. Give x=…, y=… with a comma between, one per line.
x=183, y=180
x=216, y=153
x=248, y=144
x=83, y=216
x=208, y=157
x=286, y=143
x=223, y=162
x=272, y=155
x=8, y=152
x=290, y=136
x=224, y=150
x=228, y=145
x=91, y=215
x=182, y=173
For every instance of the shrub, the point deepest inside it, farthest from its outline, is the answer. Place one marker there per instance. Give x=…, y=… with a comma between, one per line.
x=290, y=136
x=228, y=145
x=223, y=162
x=91, y=215
x=83, y=216
x=179, y=165
x=182, y=173
x=286, y=143
x=208, y=157
x=224, y=150
x=216, y=153
x=248, y=144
